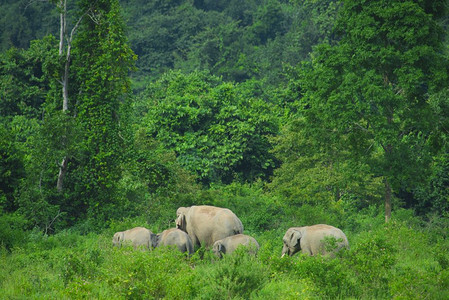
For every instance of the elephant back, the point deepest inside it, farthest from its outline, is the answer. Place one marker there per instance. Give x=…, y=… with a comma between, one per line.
x=207, y=224
x=316, y=234
x=138, y=236
x=176, y=237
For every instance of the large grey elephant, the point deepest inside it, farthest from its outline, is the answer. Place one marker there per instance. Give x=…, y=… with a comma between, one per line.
x=137, y=237
x=230, y=244
x=174, y=237
x=207, y=224
x=311, y=240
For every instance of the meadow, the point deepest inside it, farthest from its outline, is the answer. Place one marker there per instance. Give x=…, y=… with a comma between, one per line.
x=407, y=258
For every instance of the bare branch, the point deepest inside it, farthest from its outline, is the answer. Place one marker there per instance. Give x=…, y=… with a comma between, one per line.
x=32, y=2
x=49, y=225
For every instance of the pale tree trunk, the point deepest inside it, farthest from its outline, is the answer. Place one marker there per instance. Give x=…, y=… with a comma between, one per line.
x=64, y=82
x=387, y=201
x=65, y=77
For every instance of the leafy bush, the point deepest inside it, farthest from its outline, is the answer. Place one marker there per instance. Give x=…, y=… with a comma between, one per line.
x=12, y=230
x=372, y=258
x=287, y=288
x=216, y=131
x=254, y=208
x=235, y=276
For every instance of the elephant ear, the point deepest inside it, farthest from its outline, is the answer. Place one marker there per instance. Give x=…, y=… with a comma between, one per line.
x=181, y=210
x=155, y=240
x=295, y=238
x=221, y=248
x=181, y=221
x=118, y=238
x=115, y=239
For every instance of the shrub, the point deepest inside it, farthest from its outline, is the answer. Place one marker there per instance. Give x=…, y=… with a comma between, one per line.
x=372, y=258
x=330, y=277
x=235, y=276
x=12, y=230
x=286, y=288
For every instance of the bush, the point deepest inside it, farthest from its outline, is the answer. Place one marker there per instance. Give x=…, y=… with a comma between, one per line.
x=372, y=258
x=286, y=288
x=235, y=276
x=12, y=230
x=254, y=208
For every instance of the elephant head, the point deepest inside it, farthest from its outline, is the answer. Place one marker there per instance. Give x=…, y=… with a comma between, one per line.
x=181, y=219
x=155, y=240
x=292, y=242
x=118, y=238
x=219, y=249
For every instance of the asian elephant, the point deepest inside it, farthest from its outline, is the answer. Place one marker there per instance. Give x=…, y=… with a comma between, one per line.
x=207, y=224
x=137, y=237
x=230, y=243
x=311, y=240
x=174, y=237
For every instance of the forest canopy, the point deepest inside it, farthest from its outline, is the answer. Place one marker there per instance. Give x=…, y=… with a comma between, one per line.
x=321, y=101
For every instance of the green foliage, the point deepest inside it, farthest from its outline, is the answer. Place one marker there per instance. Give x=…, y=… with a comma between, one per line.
x=11, y=170
x=434, y=197
x=25, y=77
x=215, y=131
x=381, y=264
x=370, y=104
x=373, y=259
x=364, y=111
x=236, y=276
x=249, y=202
x=316, y=173
x=12, y=230
x=102, y=62
x=22, y=22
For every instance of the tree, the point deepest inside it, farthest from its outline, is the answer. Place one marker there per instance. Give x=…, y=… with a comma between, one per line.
x=369, y=93
x=218, y=130
x=80, y=122
x=102, y=60
x=65, y=56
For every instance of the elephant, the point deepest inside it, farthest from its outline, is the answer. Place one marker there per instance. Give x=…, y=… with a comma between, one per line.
x=207, y=224
x=230, y=244
x=175, y=237
x=311, y=240
x=138, y=237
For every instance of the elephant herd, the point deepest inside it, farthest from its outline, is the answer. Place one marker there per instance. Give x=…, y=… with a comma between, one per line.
x=222, y=230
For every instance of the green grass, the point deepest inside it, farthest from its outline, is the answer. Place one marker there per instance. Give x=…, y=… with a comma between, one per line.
x=397, y=260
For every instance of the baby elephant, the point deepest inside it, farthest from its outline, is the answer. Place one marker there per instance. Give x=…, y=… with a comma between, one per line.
x=137, y=237
x=175, y=237
x=230, y=243
x=314, y=239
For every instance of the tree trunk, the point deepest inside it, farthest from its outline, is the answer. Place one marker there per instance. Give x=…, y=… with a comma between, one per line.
x=61, y=175
x=387, y=201
x=62, y=7
x=65, y=83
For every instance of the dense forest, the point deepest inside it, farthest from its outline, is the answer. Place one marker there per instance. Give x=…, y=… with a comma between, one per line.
x=288, y=112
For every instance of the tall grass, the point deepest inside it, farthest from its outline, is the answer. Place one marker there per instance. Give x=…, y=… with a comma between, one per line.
x=402, y=260
x=407, y=258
